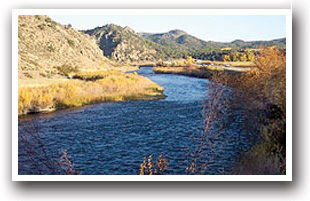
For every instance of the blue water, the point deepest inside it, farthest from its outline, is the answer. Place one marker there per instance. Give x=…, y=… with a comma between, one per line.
x=113, y=138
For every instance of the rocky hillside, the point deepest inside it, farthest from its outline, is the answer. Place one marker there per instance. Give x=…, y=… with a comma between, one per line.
x=45, y=45
x=124, y=45
x=177, y=39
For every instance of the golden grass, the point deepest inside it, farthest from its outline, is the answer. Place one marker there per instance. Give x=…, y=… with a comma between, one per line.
x=205, y=71
x=206, y=62
x=242, y=64
x=235, y=63
x=215, y=68
x=39, y=82
x=115, y=86
x=144, y=63
x=124, y=68
x=102, y=73
x=95, y=75
x=232, y=63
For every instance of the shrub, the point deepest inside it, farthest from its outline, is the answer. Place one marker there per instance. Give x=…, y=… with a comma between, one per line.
x=70, y=42
x=190, y=60
x=42, y=26
x=190, y=70
x=50, y=47
x=159, y=63
x=37, y=17
x=262, y=93
x=28, y=75
x=50, y=22
x=43, y=74
x=66, y=69
x=148, y=167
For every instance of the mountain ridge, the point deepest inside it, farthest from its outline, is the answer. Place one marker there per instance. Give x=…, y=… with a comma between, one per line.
x=123, y=44
x=181, y=39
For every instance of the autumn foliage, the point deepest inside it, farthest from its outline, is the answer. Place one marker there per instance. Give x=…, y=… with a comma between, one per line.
x=262, y=93
x=148, y=167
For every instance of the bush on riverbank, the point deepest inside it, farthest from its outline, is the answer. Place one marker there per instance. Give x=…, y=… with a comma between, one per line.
x=158, y=167
x=235, y=63
x=95, y=75
x=191, y=70
x=262, y=92
x=114, y=87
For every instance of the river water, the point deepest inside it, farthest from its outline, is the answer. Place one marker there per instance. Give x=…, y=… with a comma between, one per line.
x=113, y=138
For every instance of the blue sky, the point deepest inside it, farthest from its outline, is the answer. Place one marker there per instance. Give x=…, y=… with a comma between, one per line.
x=220, y=28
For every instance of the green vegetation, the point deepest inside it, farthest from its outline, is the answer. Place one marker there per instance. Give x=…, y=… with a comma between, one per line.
x=37, y=17
x=67, y=70
x=50, y=22
x=28, y=75
x=123, y=44
x=42, y=26
x=185, y=44
x=70, y=42
x=47, y=22
x=43, y=74
x=50, y=47
x=116, y=86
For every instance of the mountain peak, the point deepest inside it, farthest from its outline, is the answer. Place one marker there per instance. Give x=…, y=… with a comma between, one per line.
x=123, y=44
x=127, y=28
x=177, y=31
x=238, y=41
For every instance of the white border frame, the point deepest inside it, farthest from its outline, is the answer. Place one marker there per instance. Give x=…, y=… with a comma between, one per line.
x=286, y=12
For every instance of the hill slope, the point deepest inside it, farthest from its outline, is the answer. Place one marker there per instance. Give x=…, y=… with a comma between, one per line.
x=44, y=44
x=123, y=44
x=177, y=39
x=182, y=41
x=281, y=42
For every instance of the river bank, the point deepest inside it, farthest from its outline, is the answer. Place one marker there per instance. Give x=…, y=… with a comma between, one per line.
x=86, y=88
x=112, y=138
x=200, y=71
x=192, y=71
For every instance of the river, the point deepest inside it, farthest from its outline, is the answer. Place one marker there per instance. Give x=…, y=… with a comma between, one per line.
x=113, y=138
